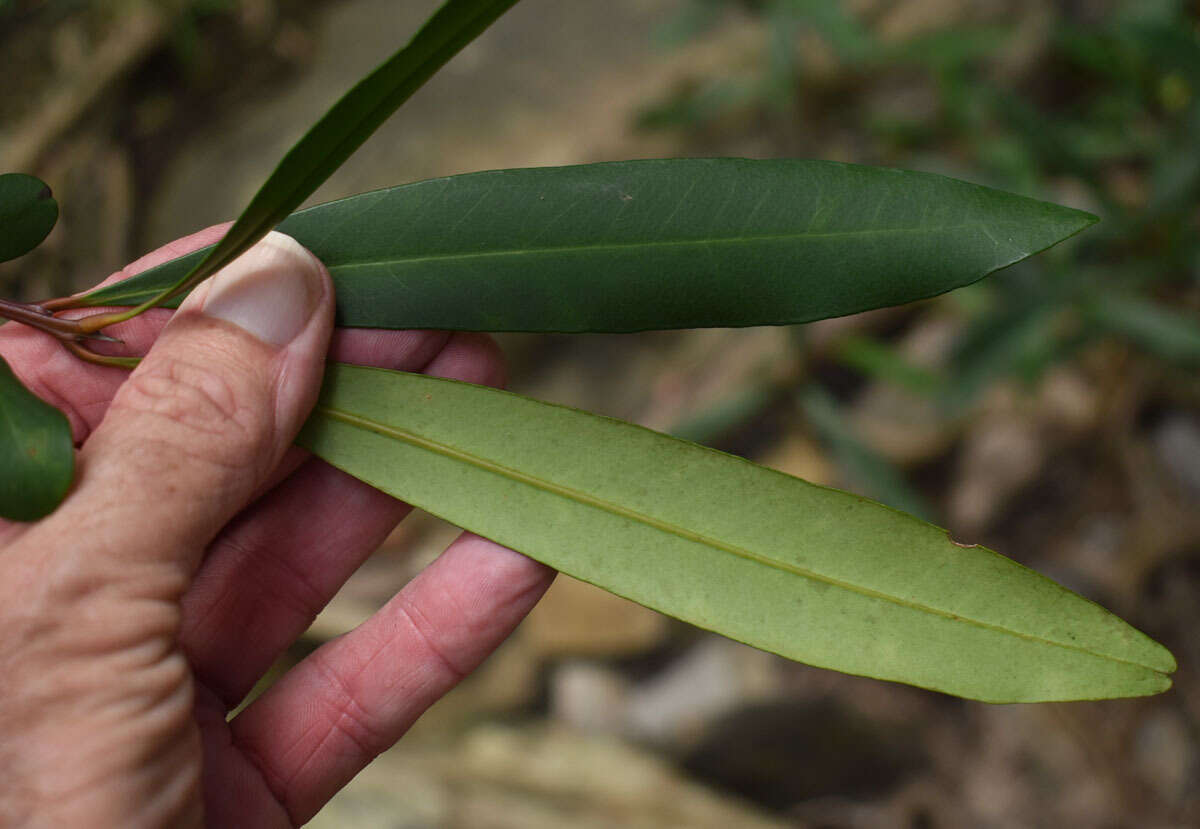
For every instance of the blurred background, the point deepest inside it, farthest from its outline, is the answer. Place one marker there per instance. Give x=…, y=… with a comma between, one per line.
x=1051, y=412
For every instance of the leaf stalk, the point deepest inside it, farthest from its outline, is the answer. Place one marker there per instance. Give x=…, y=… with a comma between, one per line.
x=39, y=317
x=70, y=333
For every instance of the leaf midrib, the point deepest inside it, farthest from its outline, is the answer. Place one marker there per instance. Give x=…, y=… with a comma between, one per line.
x=577, y=496
x=661, y=243
x=333, y=265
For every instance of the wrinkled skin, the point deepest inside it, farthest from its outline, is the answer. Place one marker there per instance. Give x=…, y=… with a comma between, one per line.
x=194, y=548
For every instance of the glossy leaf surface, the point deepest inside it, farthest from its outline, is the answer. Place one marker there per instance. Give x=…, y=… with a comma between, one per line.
x=814, y=574
x=37, y=452
x=349, y=123
x=28, y=213
x=638, y=245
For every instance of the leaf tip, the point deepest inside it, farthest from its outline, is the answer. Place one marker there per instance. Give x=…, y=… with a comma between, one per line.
x=1165, y=660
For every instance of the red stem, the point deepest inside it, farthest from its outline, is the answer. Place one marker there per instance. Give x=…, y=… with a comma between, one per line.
x=38, y=317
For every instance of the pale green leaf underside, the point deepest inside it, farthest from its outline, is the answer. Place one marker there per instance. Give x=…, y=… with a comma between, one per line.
x=811, y=573
x=637, y=245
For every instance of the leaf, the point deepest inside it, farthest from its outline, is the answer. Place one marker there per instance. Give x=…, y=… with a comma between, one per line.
x=814, y=574
x=1172, y=336
x=637, y=245
x=28, y=212
x=349, y=123
x=36, y=452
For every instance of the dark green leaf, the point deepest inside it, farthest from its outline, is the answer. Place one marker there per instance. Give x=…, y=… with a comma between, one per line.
x=811, y=573
x=28, y=212
x=36, y=452
x=639, y=245
x=349, y=123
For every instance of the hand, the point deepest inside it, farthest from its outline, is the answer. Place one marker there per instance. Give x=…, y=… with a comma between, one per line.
x=196, y=546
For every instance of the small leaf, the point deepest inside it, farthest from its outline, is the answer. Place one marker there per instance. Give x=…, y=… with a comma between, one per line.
x=349, y=123
x=28, y=213
x=637, y=245
x=36, y=452
x=814, y=574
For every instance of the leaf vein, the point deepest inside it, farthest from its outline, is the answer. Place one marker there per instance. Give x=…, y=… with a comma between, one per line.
x=669, y=243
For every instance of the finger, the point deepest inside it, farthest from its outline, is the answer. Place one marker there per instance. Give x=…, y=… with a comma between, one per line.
x=273, y=570
x=352, y=698
x=209, y=413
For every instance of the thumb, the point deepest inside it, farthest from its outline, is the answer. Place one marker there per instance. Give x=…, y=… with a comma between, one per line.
x=202, y=422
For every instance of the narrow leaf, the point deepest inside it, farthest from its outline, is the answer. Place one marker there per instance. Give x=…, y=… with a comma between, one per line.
x=348, y=124
x=811, y=573
x=884, y=362
x=1169, y=334
x=637, y=245
x=36, y=452
x=28, y=213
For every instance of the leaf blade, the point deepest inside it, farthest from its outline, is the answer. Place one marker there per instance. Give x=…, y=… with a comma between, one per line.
x=677, y=243
x=347, y=125
x=28, y=212
x=36, y=450
x=811, y=573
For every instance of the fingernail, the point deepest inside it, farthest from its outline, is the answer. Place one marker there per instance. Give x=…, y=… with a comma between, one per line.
x=271, y=290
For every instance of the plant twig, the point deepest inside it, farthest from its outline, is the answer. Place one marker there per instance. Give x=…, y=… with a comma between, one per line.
x=42, y=318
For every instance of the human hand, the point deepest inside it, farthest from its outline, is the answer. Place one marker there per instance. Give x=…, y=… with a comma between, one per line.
x=196, y=546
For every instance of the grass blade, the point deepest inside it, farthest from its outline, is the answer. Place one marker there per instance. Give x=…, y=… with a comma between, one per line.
x=1173, y=336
